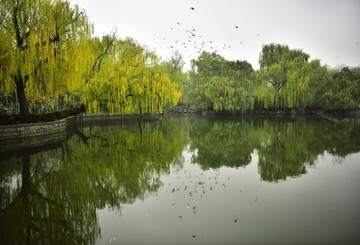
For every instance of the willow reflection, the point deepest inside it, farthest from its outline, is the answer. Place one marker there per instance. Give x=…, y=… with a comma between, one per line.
x=52, y=196
x=221, y=142
x=284, y=146
x=40, y=207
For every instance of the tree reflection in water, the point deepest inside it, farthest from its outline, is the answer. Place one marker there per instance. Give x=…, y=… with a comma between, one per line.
x=51, y=195
x=285, y=146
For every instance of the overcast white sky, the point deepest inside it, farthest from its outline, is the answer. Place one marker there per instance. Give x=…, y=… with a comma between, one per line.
x=328, y=30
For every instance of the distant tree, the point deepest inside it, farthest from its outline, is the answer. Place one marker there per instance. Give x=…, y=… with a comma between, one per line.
x=319, y=85
x=341, y=90
x=175, y=62
x=285, y=75
x=222, y=85
x=174, y=67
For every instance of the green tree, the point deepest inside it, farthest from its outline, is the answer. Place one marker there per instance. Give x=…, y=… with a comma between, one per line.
x=174, y=67
x=222, y=85
x=38, y=38
x=124, y=77
x=285, y=75
x=340, y=89
x=320, y=77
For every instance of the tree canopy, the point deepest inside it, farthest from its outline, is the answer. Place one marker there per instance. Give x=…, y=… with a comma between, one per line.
x=286, y=79
x=49, y=56
x=222, y=85
x=50, y=59
x=38, y=40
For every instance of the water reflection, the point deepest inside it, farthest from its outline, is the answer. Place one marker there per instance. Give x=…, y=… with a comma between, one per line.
x=285, y=145
x=222, y=142
x=42, y=204
x=52, y=195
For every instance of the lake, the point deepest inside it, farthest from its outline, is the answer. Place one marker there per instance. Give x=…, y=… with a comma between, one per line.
x=187, y=180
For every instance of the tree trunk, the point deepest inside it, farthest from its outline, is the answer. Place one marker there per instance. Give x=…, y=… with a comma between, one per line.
x=25, y=191
x=25, y=176
x=20, y=90
x=140, y=109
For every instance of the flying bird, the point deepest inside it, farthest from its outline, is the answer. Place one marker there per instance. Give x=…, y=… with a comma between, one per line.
x=236, y=27
x=192, y=8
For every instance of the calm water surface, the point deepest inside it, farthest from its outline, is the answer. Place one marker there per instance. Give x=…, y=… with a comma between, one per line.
x=187, y=180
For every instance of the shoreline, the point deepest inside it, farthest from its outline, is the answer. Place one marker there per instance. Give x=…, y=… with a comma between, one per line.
x=7, y=120
x=30, y=135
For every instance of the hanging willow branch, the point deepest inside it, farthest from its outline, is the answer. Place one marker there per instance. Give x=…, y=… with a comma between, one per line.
x=110, y=41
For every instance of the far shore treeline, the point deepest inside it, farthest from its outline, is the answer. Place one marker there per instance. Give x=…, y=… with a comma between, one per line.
x=50, y=60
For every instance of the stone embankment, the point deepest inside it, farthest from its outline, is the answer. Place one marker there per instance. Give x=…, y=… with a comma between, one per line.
x=180, y=110
x=22, y=136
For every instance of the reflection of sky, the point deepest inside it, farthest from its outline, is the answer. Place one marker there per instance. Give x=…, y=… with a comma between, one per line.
x=232, y=206
x=325, y=29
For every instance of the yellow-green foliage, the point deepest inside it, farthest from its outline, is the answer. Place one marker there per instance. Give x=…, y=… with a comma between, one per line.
x=47, y=45
x=38, y=39
x=129, y=80
x=285, y=75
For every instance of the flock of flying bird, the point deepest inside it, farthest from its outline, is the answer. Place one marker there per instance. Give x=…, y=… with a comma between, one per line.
x=194, y=43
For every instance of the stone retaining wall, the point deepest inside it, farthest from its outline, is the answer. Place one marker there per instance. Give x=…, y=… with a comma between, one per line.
x=85, y=119
x=20, y=136
x=181, y=110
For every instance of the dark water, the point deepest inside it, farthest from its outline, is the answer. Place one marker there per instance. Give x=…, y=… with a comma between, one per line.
x=187, y=180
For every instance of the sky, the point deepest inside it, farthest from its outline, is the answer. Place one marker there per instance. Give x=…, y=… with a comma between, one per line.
x=328, y=30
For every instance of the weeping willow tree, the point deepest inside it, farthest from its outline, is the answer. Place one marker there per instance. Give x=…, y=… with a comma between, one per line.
x=47, y=55
x=222, y=85
x=285, y=75
x=123, y=77
x=38, y=38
